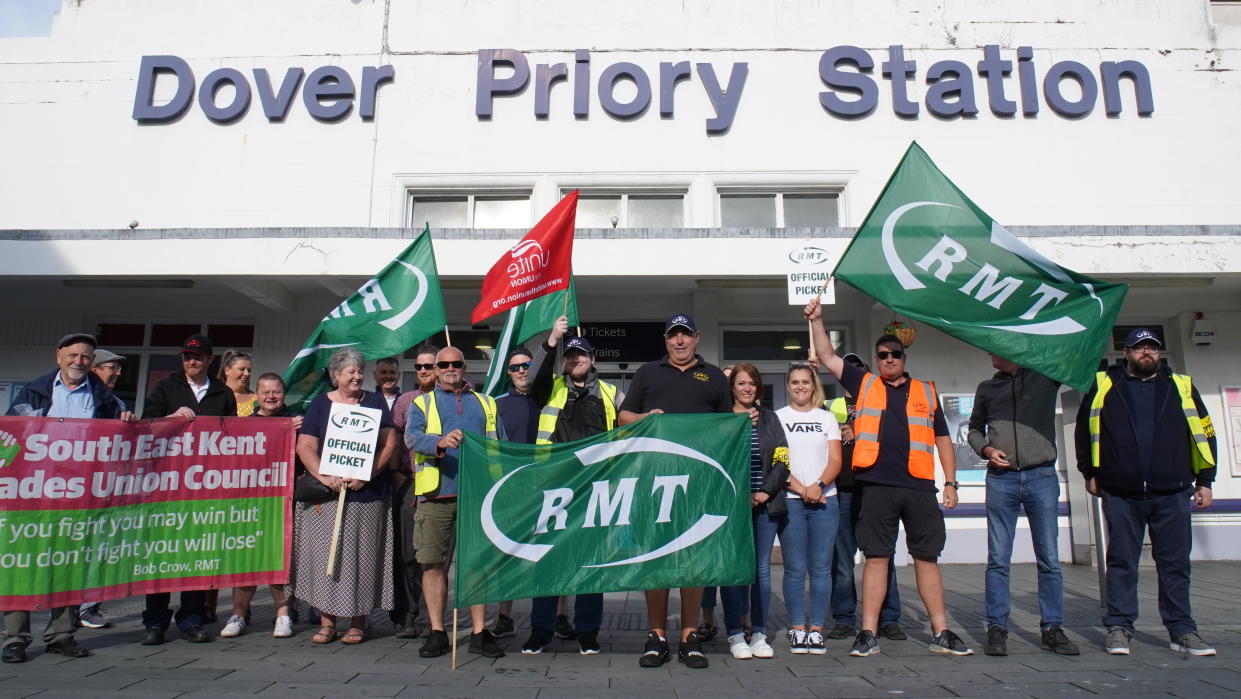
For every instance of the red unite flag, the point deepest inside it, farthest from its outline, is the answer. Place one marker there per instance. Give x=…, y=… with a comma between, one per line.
x=538, y=264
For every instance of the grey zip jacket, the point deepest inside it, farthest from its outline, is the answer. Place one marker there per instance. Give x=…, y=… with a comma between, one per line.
x=1017, y=415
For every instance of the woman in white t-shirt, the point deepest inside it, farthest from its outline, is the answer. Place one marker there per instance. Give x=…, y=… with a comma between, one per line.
x=809, y=536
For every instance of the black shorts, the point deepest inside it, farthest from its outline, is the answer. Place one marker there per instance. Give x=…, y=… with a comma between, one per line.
x=884, y=506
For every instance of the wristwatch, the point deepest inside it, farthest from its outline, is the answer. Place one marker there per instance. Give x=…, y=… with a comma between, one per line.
x=954, y=484
x=822, y=485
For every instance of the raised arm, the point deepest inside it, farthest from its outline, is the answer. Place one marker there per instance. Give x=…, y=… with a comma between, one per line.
x=824, y=352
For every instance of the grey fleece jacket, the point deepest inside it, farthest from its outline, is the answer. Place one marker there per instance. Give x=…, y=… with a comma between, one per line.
x=1017, y=415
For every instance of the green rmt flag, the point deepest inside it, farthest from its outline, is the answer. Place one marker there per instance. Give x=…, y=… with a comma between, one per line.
x=521, y=324
x=663, y=502
x=396, y=310
x=928, y=252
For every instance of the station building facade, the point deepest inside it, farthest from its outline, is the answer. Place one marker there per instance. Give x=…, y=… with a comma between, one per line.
x=238, y=168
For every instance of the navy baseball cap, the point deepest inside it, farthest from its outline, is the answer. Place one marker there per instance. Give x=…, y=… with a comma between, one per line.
x=680, y=321
x=518, y=351
x=856, y=361
x=580, y=344
x=1141, y=335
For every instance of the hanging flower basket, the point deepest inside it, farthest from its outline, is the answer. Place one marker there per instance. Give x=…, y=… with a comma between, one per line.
x=903, y=331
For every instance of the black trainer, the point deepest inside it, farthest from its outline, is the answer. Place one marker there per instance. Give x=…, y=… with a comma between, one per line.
x=588, y=643
x=864, y=644
x=436, y=645
x=655, y=652
x=564, y=629
x=997, y=641
x=840, y=631
x=948, y=642
x=690, y=652
x=536, y=643
x=1055, y=641
x=892, y=632
x=503, y=627
x=484, y=643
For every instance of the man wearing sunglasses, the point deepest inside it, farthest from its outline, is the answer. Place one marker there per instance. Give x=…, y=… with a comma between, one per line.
x=1146, y=445
x=899, y=427
x=433, y=432
x=407, y=574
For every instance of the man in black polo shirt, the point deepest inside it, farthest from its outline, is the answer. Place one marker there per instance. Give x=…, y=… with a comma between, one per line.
x=679, y=383
x=899, y=427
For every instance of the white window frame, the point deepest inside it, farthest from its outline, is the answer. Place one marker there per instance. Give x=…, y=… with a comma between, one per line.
x=625, y=192
x=722, y=192
x=471, y=197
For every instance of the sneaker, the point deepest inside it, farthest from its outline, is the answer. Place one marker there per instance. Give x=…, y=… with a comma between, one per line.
x=1191, y=644
x=503, y=627
x=997, y=641
x=588, y=643
x=815, y=643
x=864, y=644
x=436, y=645
x=739, y=648
x=536, y=643
x=1055, y=641
x=235, y=627
x=797, y=642
x=1118, y=640
x=93, y=619
x=760, y=647
x=655, y=652
x=484, y=644
x=892, y=632
x=948, y=642
x=690, y=653
x=564, y=630
x=839, y=631
x=284, y=627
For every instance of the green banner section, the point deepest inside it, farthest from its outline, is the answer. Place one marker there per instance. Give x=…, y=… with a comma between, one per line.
x=52, y=551
x=928, y=252
x=523, y=323
x=664, y=502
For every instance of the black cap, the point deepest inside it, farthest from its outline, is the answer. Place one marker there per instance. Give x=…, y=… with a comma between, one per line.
x=1141, y=335
x=856, y=361
x=75, y=338
x=198, y=344
x=680, y=320
x=580, y=344
x=518, y=351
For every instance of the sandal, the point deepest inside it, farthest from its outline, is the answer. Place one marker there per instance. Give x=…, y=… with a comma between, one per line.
x=353, y=636
x=707, y=632
x=325, y=634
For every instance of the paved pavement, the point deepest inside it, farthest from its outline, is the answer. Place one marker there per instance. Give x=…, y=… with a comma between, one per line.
x=257, y=664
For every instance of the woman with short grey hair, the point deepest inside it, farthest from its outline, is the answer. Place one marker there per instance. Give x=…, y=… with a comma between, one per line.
x=362, y=580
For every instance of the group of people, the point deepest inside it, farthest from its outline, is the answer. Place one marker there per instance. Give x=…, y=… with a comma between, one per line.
x=827, y=478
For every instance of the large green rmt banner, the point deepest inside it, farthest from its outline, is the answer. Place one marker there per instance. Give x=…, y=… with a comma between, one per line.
x=664, y=502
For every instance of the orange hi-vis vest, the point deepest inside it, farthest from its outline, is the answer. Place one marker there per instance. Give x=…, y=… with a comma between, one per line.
x=920, y=411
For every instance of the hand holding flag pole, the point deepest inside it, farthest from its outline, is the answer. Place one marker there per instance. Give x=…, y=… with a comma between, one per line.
x=814, y=357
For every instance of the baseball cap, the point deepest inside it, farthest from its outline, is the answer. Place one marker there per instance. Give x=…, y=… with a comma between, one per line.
x=1141, y=335
x=103, y=356
x=75, y=338
x=580, y=344
x=680, y=320
x=198, y=344
x=856, y=361
x=518, y=351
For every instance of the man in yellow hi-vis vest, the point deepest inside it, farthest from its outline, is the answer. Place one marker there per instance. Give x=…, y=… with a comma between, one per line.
x=433, y=433
x=1146, y=445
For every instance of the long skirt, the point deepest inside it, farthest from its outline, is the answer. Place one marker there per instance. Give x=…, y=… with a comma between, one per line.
x=362, y=581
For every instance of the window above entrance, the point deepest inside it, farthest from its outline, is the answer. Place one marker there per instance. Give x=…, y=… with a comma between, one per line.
x=451, y=209
x=629, y=209
x=746, y=208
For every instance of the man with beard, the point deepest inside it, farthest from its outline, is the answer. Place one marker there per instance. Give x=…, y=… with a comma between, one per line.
x=1145, y=444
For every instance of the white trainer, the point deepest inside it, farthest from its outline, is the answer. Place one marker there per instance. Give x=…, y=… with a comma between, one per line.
x=235, y=627
x=284, y=627
x=739, y=648
x=760, y=647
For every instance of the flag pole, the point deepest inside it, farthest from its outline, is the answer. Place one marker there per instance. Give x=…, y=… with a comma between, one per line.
x=447, y=338
x=340, y=511
x=454, y=638
x=809, y=326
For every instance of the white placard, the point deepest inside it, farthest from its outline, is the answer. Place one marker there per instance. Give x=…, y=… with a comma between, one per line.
x=350, y=442
x=807, y=266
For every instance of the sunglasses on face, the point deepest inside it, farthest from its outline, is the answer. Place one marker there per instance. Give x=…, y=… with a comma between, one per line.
x=456, y=364
x=424, y=367
x=514, y=368
x=895, y=354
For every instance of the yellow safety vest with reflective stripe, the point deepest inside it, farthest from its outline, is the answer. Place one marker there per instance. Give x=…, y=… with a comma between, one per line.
x=920, y=410
x=838, y=408
x=560, y=396
x=1200, y=453
x=426, y=472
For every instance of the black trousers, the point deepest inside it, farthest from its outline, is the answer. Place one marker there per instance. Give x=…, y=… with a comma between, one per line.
x=406, y=572
x=190, y=613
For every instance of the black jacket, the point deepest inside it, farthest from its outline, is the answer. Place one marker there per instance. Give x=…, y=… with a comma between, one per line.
x=173, y=392
x=1120, y=470
x=38, y=395
x=771, y=438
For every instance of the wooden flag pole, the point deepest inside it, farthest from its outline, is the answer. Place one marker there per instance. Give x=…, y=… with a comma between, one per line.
x=340, y=512
x=454, y=638
x=809, y=326
x=447, y=339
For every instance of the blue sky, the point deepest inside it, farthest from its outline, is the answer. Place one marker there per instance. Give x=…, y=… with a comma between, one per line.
x=27, y=17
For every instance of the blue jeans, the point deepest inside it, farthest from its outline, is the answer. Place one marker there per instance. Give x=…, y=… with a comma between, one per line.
x=755, y=598
x=844, y=589
x=587, y=613
x=807, y=542
x=1037, y=490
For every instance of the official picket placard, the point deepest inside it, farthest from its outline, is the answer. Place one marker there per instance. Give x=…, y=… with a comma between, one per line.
x=808, y=268
x=350, y=440
x=663, y=502
x=101, y=509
